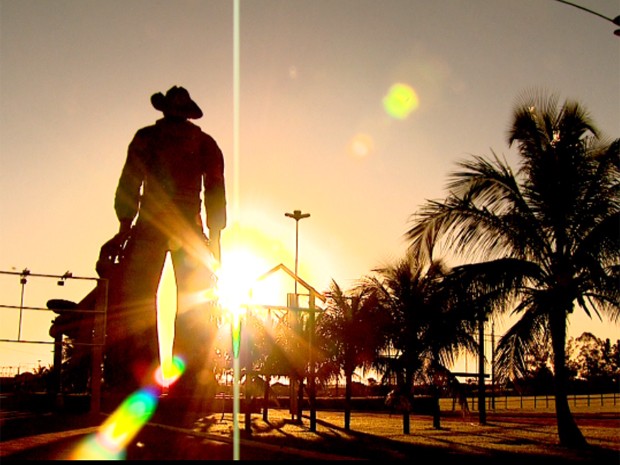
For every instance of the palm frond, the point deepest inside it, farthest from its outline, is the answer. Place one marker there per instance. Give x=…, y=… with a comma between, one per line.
x=514, y=347
x=490, y=287
x=485, y=216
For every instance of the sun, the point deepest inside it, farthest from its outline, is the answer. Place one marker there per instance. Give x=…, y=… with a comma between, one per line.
x=236, y=282
x=247, y=254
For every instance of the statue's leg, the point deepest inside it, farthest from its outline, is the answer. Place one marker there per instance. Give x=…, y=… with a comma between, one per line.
x=196, y=321
x=133, y=345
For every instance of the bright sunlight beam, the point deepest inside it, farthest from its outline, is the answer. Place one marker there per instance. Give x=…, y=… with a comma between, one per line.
x=166, y=312
x=247, y=253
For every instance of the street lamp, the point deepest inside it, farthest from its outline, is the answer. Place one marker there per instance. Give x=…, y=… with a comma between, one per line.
x=297, y=215
x=615, y=20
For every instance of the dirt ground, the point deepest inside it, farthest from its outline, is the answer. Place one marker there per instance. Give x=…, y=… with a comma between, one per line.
x=508, y=437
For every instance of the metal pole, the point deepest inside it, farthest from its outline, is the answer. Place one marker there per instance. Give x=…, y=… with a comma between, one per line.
x=99, y=324
x=21, y=311
x=312, y=379
x=296, y=252
x=493, y=365
x=23, y=282
x=482, y=412
x=615, y=20
x=297, y=215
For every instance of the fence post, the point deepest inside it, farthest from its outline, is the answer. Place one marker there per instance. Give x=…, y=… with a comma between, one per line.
x=312, y=363
x=101, y=306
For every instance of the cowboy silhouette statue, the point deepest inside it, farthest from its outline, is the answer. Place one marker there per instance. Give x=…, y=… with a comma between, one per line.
x=172, y=169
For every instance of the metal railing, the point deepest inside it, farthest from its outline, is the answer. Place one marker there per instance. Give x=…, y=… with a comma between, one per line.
x=97, y=342
x=545, y=401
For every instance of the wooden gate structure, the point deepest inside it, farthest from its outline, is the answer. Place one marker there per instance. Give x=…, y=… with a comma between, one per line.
x=293, y=308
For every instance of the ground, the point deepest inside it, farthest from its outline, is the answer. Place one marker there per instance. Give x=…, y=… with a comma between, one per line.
x=510, y=436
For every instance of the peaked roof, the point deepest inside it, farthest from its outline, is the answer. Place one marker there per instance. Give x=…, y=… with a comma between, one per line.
x=296, y=278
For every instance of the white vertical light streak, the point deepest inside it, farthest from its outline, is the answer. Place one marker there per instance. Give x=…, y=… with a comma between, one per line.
x=236, y=93
x=236, y=108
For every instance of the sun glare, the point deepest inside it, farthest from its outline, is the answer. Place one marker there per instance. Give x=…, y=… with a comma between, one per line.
x=236, y=277
x=246, y=255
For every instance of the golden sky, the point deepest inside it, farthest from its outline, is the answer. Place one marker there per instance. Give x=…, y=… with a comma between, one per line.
x=76, y=78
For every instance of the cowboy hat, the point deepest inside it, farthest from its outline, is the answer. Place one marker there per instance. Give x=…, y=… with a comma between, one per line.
x=176, y=102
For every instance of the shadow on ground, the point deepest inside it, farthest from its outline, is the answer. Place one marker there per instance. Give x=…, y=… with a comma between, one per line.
x=209, y=437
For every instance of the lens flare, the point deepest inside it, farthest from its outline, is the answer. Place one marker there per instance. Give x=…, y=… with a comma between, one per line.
x=236, y=281
x=361, y=145
x=110, y=441
x=91, y=448
x=234, y=285
x=400, y=101
x=169, y=371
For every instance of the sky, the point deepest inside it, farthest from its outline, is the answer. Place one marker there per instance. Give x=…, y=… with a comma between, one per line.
x=313, y=133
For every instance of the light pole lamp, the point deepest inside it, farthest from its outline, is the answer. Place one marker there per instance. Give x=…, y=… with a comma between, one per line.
x=297, y=215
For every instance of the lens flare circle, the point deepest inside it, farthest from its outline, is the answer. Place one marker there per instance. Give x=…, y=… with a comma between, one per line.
x=361, y=145
x=400, y=100
x=112, y=438
x=170, y=371
x=91, y=448
x=128, y=419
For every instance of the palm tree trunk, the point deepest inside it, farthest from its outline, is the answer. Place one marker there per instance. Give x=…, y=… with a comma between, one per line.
x=348, y=390
x=436, y=408
x=300, y=399
x=406, y=422
x=407, y=393
x=569, y=433
x=266, y=398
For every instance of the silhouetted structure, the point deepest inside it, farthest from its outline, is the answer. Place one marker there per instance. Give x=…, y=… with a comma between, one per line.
x=158, y=203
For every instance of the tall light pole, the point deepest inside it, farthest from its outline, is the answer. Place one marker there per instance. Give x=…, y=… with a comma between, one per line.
x=297, y=215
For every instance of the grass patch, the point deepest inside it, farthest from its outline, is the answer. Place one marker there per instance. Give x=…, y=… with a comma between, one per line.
x=511, y=435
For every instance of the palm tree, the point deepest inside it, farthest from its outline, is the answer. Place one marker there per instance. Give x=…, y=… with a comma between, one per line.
x=353, y=326
x=541, y=242
x=427, y=330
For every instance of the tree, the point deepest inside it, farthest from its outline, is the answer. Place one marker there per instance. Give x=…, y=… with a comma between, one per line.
x=594, y=361
x=426, y=330
x=352, y=323
x=541, y=242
